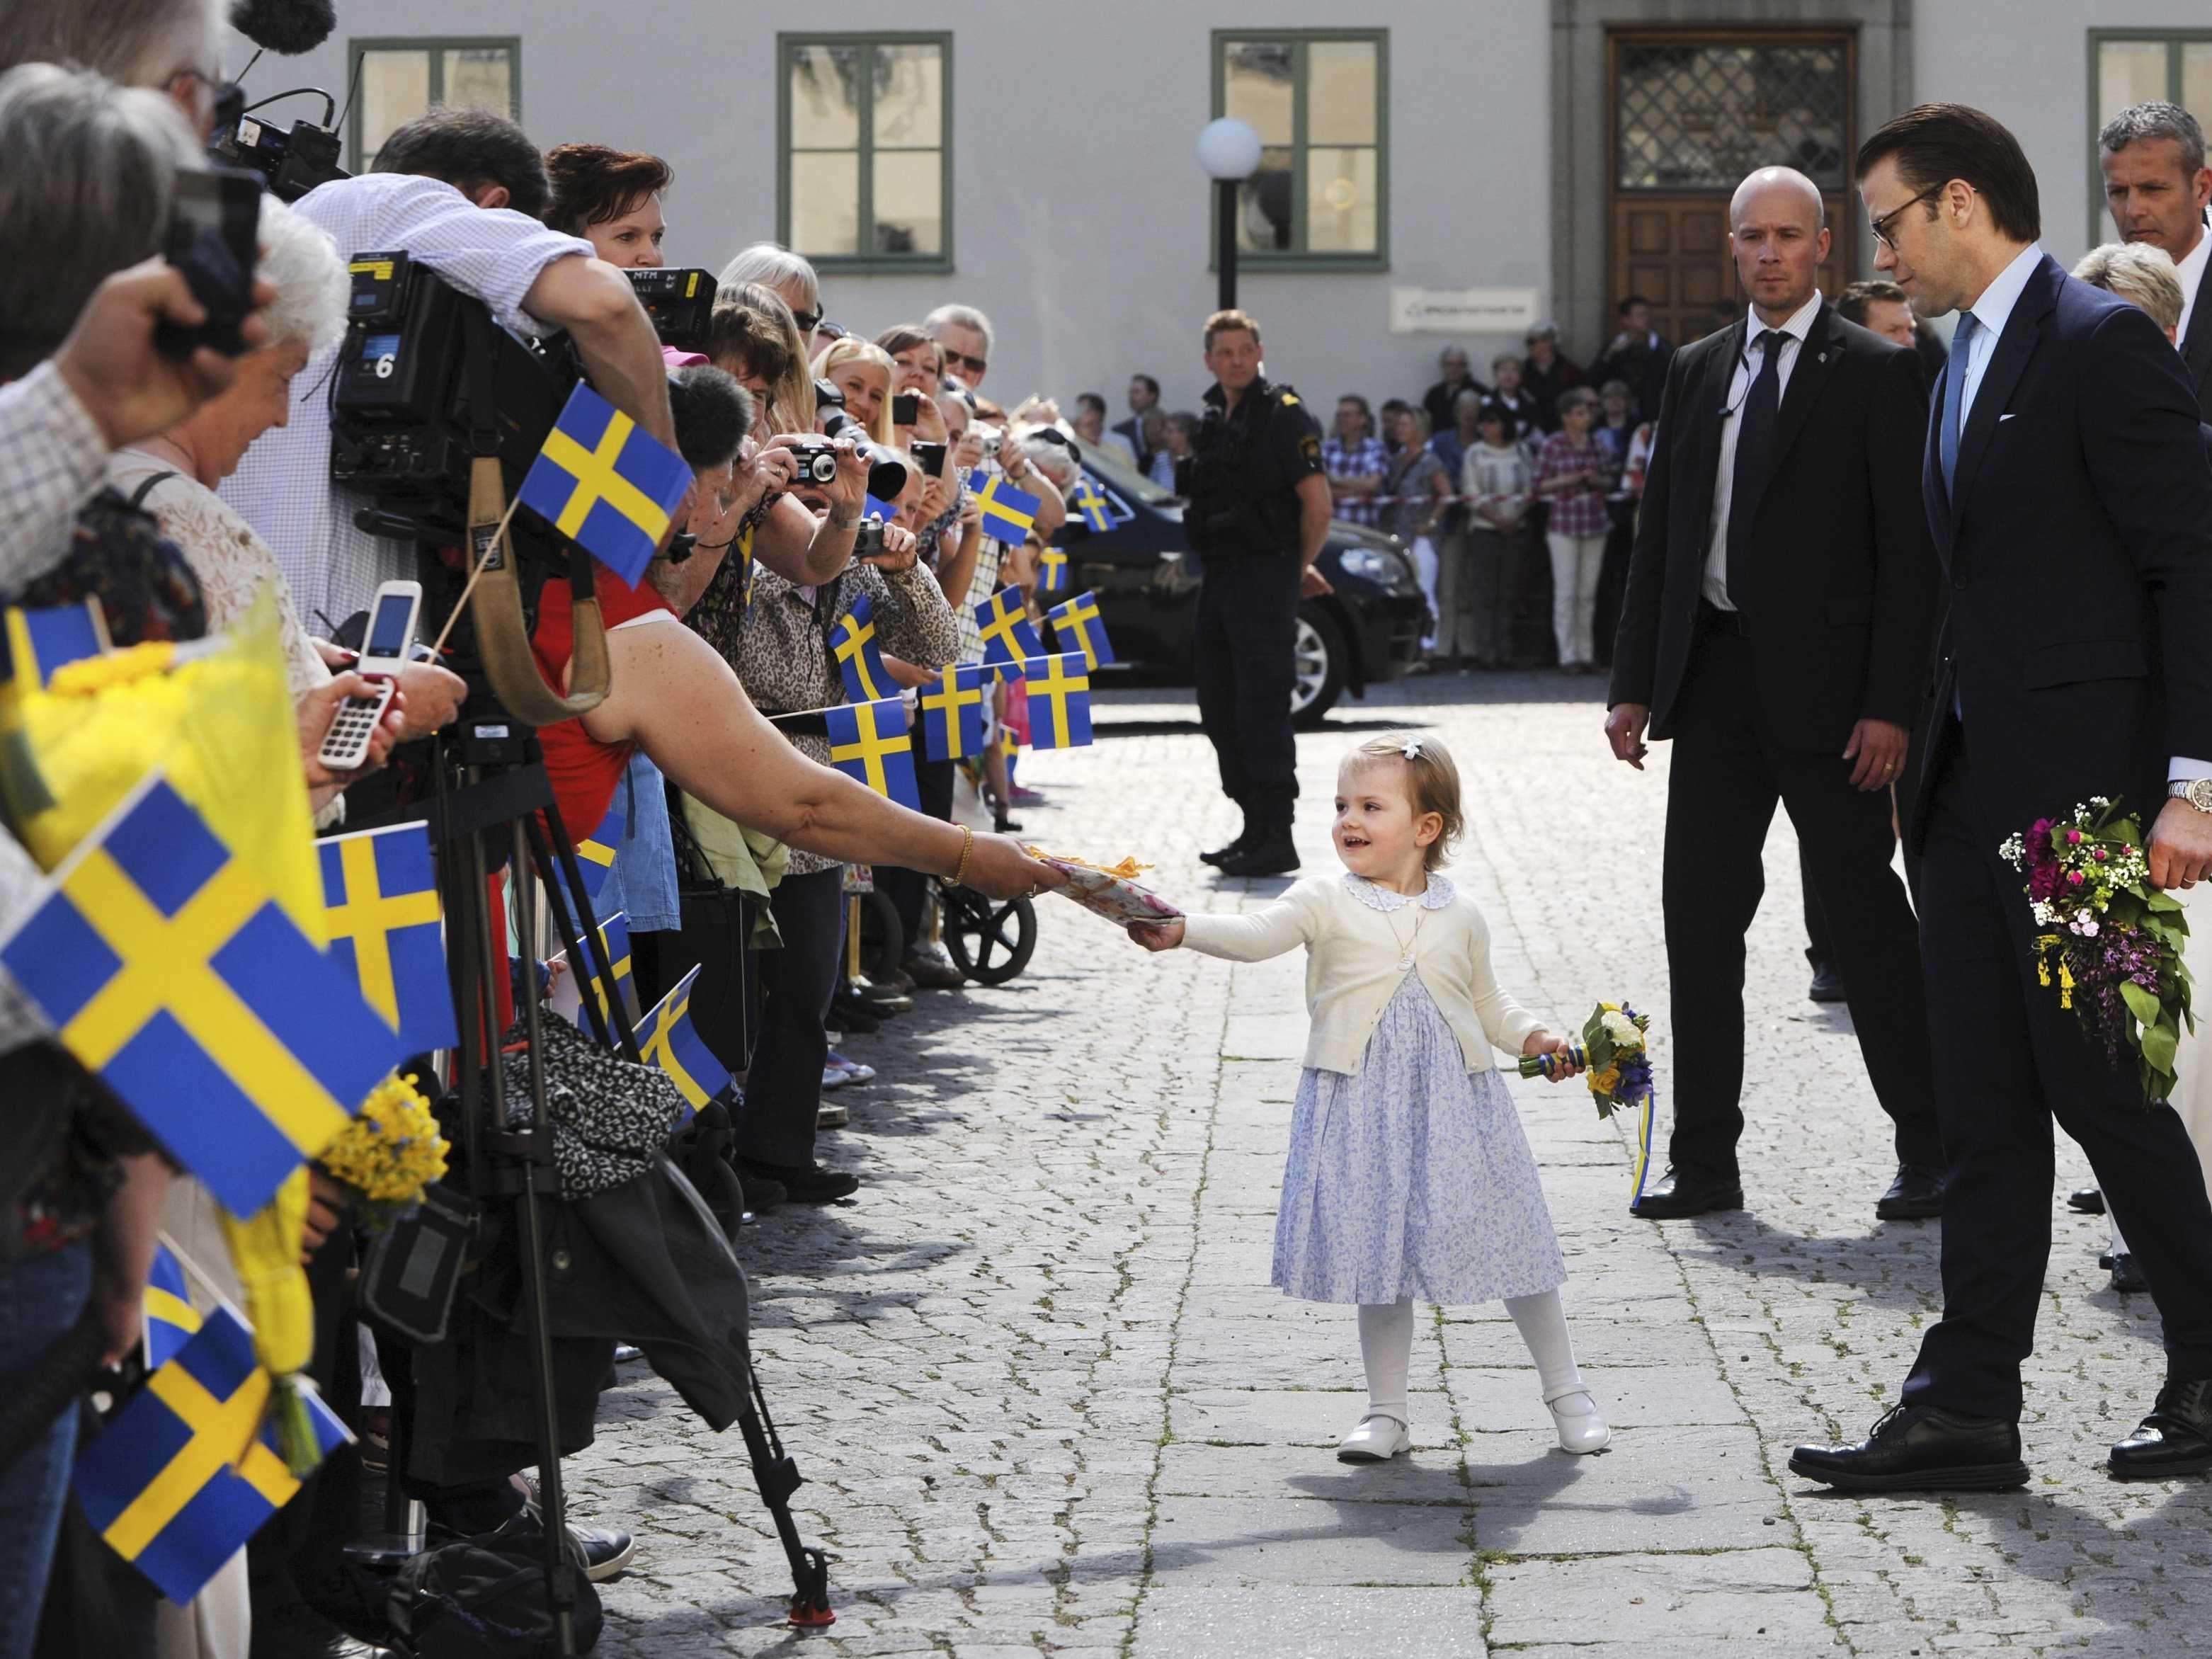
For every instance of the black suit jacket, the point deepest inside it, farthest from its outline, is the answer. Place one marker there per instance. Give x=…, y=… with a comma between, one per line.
x=2196, y=344
x=1133, y=430
x=1643, y=368
x=1840, y=597
x=2076, y=544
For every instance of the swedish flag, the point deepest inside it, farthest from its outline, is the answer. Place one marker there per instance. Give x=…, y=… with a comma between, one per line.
x=1089, y=506
x=1052, y=569
x=1059, y=701
x=595, y=853
x=381, y=897
x=39, y=641
x=166, y=969
x=953, y=713
x=1008, y=514
x=1077, y=623
x=860, y=659
x=185, y=1473
x=568, y=998
x=1008, y=638
x=868, y=741
x=606, y=485
x=171, y=1319
x=670, y=1041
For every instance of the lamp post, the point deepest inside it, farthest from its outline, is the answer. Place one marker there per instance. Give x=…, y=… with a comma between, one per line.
x=1229, y=150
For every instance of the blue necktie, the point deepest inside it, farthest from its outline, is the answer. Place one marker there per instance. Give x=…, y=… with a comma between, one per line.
x=1954, y=393
x=1754, y=460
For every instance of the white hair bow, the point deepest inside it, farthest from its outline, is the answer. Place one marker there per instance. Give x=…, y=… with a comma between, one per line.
x=1412, y=750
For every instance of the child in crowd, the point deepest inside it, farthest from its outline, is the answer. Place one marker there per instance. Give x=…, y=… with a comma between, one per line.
x=1408, y=1174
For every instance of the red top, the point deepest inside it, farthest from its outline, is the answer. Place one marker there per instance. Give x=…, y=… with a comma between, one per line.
x=584, y=771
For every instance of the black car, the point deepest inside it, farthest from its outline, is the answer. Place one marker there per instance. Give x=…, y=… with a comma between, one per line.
x=1146, y=581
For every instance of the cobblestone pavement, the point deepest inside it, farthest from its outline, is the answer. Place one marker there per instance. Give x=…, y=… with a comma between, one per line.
x=1045, y=1401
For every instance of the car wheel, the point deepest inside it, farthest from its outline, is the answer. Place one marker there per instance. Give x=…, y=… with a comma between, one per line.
x=1323, y=661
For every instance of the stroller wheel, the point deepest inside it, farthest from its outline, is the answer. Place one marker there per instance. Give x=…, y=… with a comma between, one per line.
x=992, y=940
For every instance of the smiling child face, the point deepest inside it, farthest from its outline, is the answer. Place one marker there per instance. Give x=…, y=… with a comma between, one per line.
x=1378, y=833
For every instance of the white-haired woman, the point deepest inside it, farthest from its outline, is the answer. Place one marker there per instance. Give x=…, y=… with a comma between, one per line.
x=789, y=276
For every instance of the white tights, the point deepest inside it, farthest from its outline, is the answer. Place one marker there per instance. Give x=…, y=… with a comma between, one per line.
x=1386, y=1348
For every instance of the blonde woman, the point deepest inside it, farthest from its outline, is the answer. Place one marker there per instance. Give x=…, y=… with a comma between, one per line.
x=861, y=370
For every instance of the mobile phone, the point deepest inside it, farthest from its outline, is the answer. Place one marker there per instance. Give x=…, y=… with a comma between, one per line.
x=214, y=239
x=929, y=457
x=906, y=408
x=386, y=648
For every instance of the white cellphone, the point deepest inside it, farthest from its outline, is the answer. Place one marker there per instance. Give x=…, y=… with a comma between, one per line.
x=385, y=650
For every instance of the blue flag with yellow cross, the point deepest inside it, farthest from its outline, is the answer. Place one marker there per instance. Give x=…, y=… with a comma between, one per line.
x=1089, y=506
x=188, y=1471
x=1059, y=700
x=568, y=995
x=868, y=741
x=164, y=967
x=171, y=1319
x=1076, y=626
x=668, y=1039
x=952, y=723
x=1008, y=640
x=1052, y=569
x=860, y=659
x=606, y=483
x=1009, y=513
x=595, y=853
x=41, y=641
x=380, y=899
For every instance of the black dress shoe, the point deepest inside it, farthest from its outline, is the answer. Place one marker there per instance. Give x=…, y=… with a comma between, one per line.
x=2090, y=1201
x=2127, y=1274
x=1683, y=1193
x=1273, y=856
x=2176, y=1438
x=803, y=1183
x=1921, y=1449
x=1220, y=855
x=1917, y=1194
x=1827, y=986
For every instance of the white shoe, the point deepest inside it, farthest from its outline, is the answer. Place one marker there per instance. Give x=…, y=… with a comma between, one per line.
x=1376, y=1440
x=1582, y=1430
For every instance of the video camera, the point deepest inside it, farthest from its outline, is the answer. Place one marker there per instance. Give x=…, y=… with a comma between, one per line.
x=293, y=161
x=681, y=304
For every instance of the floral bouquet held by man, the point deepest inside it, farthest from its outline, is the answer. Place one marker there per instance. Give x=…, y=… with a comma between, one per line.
x=2115, y=944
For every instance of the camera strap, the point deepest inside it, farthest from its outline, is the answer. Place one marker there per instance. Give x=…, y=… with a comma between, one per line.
x=502, y=632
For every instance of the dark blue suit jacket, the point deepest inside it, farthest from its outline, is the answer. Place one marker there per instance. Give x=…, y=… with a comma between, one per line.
x=2077, y=552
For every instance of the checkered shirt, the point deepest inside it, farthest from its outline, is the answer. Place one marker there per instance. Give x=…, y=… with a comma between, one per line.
x=1367, y=459
x=1581, y=510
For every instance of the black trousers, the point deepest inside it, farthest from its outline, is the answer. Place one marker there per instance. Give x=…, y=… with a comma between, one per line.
x=1728, y=771
x=2009, y=1061
x=1246, y=644
x=783, y=1085
x=1818, y=950
x=906, y=889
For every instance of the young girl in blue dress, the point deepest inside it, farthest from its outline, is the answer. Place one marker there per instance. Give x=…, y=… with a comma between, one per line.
x=1408, y=1175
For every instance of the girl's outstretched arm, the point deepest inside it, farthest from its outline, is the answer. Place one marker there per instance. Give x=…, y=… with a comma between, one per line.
x=1291, y=920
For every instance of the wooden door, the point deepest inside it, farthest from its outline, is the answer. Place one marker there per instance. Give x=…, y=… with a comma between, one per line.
x=1691, y=112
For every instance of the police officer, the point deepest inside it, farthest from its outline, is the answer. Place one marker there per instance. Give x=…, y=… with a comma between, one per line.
x=1258, y=515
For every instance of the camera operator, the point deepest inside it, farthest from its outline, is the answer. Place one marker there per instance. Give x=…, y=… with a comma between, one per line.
x=459, y=190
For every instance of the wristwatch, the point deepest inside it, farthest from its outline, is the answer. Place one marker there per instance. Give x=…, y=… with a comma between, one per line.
x=2197, y=792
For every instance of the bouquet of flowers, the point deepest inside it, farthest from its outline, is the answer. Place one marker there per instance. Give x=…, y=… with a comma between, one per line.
x=2114, y=941
x=389, y=1153
x=1613, y=1049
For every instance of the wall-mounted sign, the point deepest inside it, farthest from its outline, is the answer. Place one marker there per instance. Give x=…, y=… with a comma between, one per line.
x=1463, y=310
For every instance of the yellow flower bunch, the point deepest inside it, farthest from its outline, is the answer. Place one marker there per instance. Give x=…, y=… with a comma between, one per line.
x=391, y=1150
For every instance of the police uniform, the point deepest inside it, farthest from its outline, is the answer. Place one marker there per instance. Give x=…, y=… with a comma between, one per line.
x=1241, y=480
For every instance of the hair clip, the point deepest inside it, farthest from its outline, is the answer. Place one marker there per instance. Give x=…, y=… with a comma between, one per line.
x=1412, y=749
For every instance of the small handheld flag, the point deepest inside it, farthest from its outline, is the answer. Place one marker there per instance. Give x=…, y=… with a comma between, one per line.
x=166, y=967
x=670, y=1041
x=1008, y=638
x=1059, y=701
x=1089, y=506
x=868, y=741
x=953, y=714
x=380, y=891
x=874, y=507
x=860, y=659
x=1052, y=569
x=186, y=1473
x=606, y=485
x=595, y=853
x=1076, y=625
x=568, y=998
x=1009, y=513
x=39, y=641
x=171, y=1319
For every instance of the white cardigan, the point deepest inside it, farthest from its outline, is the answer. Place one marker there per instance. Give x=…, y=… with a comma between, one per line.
x=1353, y=972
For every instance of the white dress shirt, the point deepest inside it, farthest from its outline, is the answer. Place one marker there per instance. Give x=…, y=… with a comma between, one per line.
x=1993, y=311
x=2191, y=270
x=1748, y=364
x=283, y=488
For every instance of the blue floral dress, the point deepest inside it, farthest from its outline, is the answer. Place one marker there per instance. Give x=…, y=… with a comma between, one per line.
x=1411, y=1177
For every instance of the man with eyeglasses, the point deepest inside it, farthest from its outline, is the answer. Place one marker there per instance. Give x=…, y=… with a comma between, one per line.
x=2065, y=483
x=965, y=335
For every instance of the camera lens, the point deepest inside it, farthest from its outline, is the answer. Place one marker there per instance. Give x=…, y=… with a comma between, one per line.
x=821, y=466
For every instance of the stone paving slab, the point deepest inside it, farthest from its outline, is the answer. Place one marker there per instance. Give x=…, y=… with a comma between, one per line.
x=1045, y=1400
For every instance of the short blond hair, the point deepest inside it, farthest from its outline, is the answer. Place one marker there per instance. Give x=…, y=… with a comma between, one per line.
x=1431, y=784
x=1224, y=322
x=2141, y=273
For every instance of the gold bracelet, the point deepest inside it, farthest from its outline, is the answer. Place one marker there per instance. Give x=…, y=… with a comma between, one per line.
x=966, y=847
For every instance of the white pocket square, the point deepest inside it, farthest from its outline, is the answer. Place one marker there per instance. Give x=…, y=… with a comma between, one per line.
x=2002, y=419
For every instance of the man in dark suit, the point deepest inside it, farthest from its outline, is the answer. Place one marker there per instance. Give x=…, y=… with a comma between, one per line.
x=2157, y=187
x=2067, y=486
x=1143, y=396
x=1638, y=356
x=1780, y=602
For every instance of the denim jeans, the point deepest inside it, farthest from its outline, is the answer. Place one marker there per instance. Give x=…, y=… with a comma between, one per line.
x=39, y=1299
